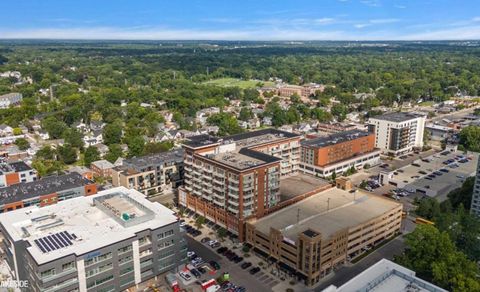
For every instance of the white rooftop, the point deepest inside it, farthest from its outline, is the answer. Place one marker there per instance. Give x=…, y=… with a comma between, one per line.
x=96, y=221
x=386, y=276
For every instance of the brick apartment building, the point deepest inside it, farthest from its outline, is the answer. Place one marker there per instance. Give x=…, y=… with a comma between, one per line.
x=338, y=152
x=151, y=174
x=46, y=191
x=102, y=168
x=231, y=179
x=312, y=237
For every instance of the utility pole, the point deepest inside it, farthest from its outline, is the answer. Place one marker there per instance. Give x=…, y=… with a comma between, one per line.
x=328, y=204
x=298, y=215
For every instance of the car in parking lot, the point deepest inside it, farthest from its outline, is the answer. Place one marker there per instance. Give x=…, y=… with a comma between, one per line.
x=214, y=265
x=254, y=270
x=196, y=273
x=437, y=173
x=222, y=249
x=212, y=242
x=246, y=265
x=185, y=275
x=202, y=270
x=215, y=245
x=205, y=239
x=444, y=170
x=190, y=254
x=237, y=259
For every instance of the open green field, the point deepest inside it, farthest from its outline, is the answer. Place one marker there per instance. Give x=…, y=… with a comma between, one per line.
x=231, y=82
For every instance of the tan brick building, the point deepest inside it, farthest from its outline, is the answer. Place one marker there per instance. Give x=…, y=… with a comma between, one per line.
x=315, y=235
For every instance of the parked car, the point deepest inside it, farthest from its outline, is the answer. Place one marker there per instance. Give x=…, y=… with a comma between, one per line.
x=222, y=249
x=255, y=270
x=185, y=275
x=246, y=265
x=202, y=270
x=214, y=265
x=190, y=254
x=205, y=239
x=196, y=273
x=237, y=259
x=212, y=242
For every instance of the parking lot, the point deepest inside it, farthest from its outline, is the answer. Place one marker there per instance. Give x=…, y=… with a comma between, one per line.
x=436, y=175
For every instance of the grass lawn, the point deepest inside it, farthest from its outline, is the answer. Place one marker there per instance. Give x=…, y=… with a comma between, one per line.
x=230, y=82
x=427, y=103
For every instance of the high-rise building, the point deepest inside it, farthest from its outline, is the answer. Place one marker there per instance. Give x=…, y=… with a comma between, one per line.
x=338, y=152
x=151, y=174
x=105, y=242
x=231, y=179
x=397, y=133
x=475, y=206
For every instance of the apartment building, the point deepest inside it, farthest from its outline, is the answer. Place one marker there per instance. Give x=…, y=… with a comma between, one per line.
x=386, y=275
x=46, y=191
x=106, y=242
x=312, y=237
x=475, y=206
x=398, y=133
x=338, y=152
x=9, y=99
x=238, y=177
x=102, y=168
x=16, y=172
x=152, y=174
x=302, y=91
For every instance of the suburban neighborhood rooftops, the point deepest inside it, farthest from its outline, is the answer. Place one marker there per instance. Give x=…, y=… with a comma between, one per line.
x=47, y=185
x=335, y=138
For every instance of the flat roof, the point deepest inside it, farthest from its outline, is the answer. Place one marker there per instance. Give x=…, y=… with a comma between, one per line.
x=46, y=185
x=299, y=184
x=335, y=138
x=94, y=221
x=327, y=212
x=154, y=159
x=398, y=116
x=388, y=276
x=103, y=164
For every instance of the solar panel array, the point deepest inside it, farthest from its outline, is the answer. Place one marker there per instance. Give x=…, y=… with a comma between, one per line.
x=55, y=241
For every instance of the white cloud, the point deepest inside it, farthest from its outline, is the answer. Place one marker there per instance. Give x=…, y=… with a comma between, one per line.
x=371, y=3
x=376, y=21
x=399, y=6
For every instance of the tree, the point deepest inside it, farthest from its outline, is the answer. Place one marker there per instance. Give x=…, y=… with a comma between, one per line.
x=136, y=146
x=45, y=153
x=73, y=137
x=17, y=131
x=22, y=143
x=54, y=127
x=434, y=257
x=339, y=111
x=227, y=124
x=245, y=114
x=159, y=147
x=91, y=154
x=470, y=138
x=112, y=133
x=114, y=152
x=221, y=233
x=67, y=154
x=463, y=195
x=199, y=222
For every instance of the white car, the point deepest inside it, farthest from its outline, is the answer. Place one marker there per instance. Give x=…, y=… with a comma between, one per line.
x=185, y=275
x=190, y=253
x=212, y=242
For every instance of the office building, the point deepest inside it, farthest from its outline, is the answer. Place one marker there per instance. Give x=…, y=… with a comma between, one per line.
x=46, y=191
x=105, y=242
x=151, y=174
x=475, y=206
x=238, y=177
x=16, y=172
x=338, y=152
x=9, y=99
x=312, y=237
x=397, y=133
x=386, y=276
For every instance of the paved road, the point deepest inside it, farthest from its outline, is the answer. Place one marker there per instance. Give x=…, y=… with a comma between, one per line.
x=345, y=273
x=258, y=282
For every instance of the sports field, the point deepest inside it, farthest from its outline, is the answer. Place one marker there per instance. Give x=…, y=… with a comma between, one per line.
x=231, y=82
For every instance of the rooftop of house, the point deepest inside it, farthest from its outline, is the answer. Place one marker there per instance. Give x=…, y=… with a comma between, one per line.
x=46, y=185
x=326, y=213
x=398, y=117
x=103, y=164
x=84, y=224
x=335, y=138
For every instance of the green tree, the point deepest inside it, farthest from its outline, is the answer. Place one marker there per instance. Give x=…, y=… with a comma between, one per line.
x=114, y=152
x=221, y=233
x=227, y=123
x=22, y=143
x=67, y=154
x=17, y=131
x=54, y=127
x=73, y=137
x=339, y=111
x=199, y=222
x=136, y=146
x=158, y=147
x=245, y=114
x=91, y=154
x=112, y=133
x=470, y=138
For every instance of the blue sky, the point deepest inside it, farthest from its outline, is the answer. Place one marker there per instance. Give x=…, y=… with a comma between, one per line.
x=242, y=19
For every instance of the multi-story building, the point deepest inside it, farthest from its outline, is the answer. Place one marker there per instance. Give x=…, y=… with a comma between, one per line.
x=238, y=177
x=152, y=174
x=16, y=172
x=338, y=152
x=102, y=168
x=398, y=133
x=106, y=242
x=9, y=99
x=46, y=191
x=386, y=275
x=302, y=91
x=312, y=237
x=475, y=206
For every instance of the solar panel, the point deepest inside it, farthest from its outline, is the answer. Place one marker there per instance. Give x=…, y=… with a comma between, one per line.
x=74, y=236
x=53, y=242
x=66, y=238
x=40, y=246
x=68, y=235
x=59, y=237
x=60, y=244
x=44, y=244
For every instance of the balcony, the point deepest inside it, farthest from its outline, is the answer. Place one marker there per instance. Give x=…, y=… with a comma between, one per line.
x=197, y=192
x=232, y=195
x=61, y=285
x=219, y=195
x=234, y=203
x=219, y=188
x=230, y=209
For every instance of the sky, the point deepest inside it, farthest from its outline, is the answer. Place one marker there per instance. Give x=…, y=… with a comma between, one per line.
x=241, y=19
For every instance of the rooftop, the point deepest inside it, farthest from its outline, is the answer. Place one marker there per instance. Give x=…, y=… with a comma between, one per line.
x=90, y=223
x=44, y=186
x=103, y=164
x=327, y=212
x=19, y=166
x=398, y=117
x=154, y=159
x=386, y=276
x=335, y=138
